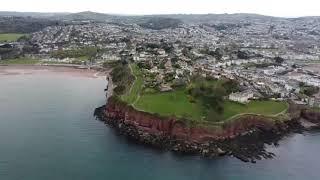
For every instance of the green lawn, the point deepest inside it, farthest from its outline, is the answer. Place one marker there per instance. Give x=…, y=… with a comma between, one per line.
x=83, y=58
x=267, y=108
x=20, y=61
x=177, y=103
x=170, y=103
x=53, y=62
x=10, y=37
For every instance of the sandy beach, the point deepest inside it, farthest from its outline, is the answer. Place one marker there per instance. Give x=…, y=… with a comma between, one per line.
x=35, y=69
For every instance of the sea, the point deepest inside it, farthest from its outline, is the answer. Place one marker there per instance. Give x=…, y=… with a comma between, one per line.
x=48, y=132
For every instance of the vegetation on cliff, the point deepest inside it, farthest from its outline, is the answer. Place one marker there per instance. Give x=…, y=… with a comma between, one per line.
x=132, y=94
x=121, y=77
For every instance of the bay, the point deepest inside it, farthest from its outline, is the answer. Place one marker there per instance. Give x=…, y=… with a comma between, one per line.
x=47, y=131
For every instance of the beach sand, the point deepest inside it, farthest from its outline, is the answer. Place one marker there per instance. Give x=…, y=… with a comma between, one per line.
x=34, y=69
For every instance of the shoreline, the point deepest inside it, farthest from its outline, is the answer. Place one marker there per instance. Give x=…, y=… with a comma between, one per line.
x=21, y=69
x=245, y=139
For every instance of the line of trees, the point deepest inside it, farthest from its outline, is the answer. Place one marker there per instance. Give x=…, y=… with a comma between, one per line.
x=89, y=52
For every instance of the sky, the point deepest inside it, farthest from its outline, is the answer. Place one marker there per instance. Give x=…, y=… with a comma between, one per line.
x=282, y=8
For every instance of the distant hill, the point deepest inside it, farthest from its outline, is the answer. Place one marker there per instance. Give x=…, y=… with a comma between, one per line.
x=36, y=21
x=24, y=24
x=30, y=14
x=151, y=22
x=86, y=15
x=160, y=20
x=158, y=23
x=226, y=18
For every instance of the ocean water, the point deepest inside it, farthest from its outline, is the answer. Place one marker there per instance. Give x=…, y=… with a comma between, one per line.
x=48, y=132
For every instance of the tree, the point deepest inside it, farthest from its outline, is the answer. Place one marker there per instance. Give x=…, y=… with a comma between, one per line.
x=218, y=54
x=279, y=60
x=120, y=89
x=310, y=90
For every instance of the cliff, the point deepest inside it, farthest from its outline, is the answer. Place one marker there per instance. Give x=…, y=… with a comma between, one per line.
x=243, y=138
x=179, y=129
x=311, y=115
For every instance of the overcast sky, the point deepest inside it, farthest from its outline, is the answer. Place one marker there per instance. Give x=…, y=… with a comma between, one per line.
x=286, y=8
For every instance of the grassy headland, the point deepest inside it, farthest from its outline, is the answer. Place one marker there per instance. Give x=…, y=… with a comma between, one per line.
x=202, y=100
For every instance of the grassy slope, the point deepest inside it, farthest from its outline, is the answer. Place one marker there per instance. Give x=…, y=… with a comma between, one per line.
x=170, y=103
x=131, y=96
x=267, y=108
x=10, y=37
x=20, y=61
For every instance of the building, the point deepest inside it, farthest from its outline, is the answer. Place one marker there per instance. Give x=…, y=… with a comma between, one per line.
x=241, y=97
x=314, y=102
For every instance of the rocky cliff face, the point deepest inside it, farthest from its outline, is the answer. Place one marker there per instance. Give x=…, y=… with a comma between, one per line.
x=311, y=115
x=178, y=129
x=243, y=138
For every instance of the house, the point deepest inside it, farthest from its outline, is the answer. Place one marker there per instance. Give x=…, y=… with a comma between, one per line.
x=241, y=97
x=110, y=57
x=165, y=88
x=314, y=102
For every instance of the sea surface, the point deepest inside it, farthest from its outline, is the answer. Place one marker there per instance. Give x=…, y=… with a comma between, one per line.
x=48, y=132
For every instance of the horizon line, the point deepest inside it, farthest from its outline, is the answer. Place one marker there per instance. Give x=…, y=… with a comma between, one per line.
x=156, y=14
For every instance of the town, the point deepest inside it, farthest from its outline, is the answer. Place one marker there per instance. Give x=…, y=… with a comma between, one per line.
x=270, y=58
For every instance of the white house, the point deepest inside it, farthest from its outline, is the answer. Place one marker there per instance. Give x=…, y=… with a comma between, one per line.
x=242, y=97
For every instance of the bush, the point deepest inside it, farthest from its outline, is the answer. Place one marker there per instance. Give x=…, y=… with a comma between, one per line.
x=75, y=53
x=119, y=89
x=122, y=77
x=310, y=90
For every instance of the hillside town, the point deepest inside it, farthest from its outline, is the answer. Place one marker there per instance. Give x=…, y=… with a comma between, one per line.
x=273, y=58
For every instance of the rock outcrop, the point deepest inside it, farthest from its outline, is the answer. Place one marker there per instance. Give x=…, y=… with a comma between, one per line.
x=311, y=115
x=244, y=138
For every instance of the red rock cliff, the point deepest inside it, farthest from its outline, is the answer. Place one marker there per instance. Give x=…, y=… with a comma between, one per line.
x=311, y=115
x=178, y=129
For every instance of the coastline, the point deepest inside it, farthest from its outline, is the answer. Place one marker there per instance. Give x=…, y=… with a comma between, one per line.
x=52, y=69
x=246, y=138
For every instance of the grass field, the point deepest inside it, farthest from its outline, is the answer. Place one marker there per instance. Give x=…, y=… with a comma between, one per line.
x=267, y=108
x=177, y=103
x=171, y=103
x=10, y=37
x=20, y=61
